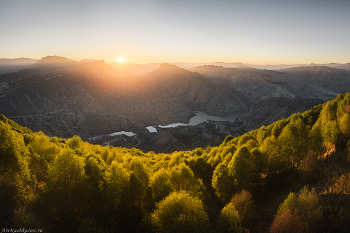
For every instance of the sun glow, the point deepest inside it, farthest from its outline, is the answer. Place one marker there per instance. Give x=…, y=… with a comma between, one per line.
x=120, y=59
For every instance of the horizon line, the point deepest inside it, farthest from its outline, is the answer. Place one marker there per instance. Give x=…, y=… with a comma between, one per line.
x=225, y=62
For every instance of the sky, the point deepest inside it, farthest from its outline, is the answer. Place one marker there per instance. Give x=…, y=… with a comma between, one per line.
x=145, y=31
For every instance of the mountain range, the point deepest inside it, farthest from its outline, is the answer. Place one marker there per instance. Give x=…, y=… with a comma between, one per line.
x=63, y=97
x=315, y=82
x=66, y=98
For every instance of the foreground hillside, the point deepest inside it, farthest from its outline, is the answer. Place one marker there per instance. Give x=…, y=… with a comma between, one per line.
x=291, y=176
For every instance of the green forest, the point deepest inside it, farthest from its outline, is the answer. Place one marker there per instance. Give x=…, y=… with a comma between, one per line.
x=291, y=176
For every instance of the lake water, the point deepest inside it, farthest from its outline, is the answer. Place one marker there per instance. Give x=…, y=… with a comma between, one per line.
x=130, y=134
x=152, y=129
x=201, y=117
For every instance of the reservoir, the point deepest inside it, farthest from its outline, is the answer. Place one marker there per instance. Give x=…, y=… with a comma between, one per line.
x=201, y=117
x=129, y=134
x=152, y=129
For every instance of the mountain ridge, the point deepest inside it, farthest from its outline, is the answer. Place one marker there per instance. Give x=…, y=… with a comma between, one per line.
x=94, y=98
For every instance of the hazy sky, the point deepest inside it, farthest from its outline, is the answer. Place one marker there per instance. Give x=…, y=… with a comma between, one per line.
x=143, y=31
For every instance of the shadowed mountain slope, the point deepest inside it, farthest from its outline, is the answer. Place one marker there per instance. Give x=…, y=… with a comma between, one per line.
x=326, y=78
x=194, y=91
x=63, y=97
x=307, y=82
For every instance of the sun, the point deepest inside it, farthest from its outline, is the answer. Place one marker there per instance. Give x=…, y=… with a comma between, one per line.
x=120, y=59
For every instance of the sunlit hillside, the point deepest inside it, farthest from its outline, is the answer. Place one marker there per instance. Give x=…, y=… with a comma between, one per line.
x=291, y=176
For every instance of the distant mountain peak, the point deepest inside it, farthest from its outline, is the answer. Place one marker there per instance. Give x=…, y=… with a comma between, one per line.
x=232, y=63
x=167, y=66
x=55, y=59
x=87, y=60
x=244, y=67
x=99, y=62
x=17, y=61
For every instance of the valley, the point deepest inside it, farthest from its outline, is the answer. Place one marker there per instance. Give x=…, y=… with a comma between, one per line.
x=62, y=98
x=151, y=116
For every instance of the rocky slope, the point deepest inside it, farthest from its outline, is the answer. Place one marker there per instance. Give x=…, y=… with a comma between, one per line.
x=62, y=97
x=306, y=82
x=321, y=78
x=194, y=91
x=274, y=109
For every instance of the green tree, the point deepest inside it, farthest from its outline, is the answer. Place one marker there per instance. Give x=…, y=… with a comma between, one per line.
x=344, y=125
x=316, y=139
x=203, y=170
x=95, y=171
x=305, y=206
x=64, y=200
x=329, y=112
x=243, y=168
x=118, y=181
x=227, y=150
x=160, y=185
x=42, y=145
x=118, y=207
x=263, y=132
x=309, y=209
x=180, y=212
x=223, y=182
x=274, y=161
x=139, y=190
x=15, y=178
x=259, y=161
x=182, y=178
x=75, y=142
x=293, y=141
x=244, y=204
x=278, y=126
x=290, y=203
x=330, y=132
x=244, y=139
x=228, y=220
x=67, y=174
